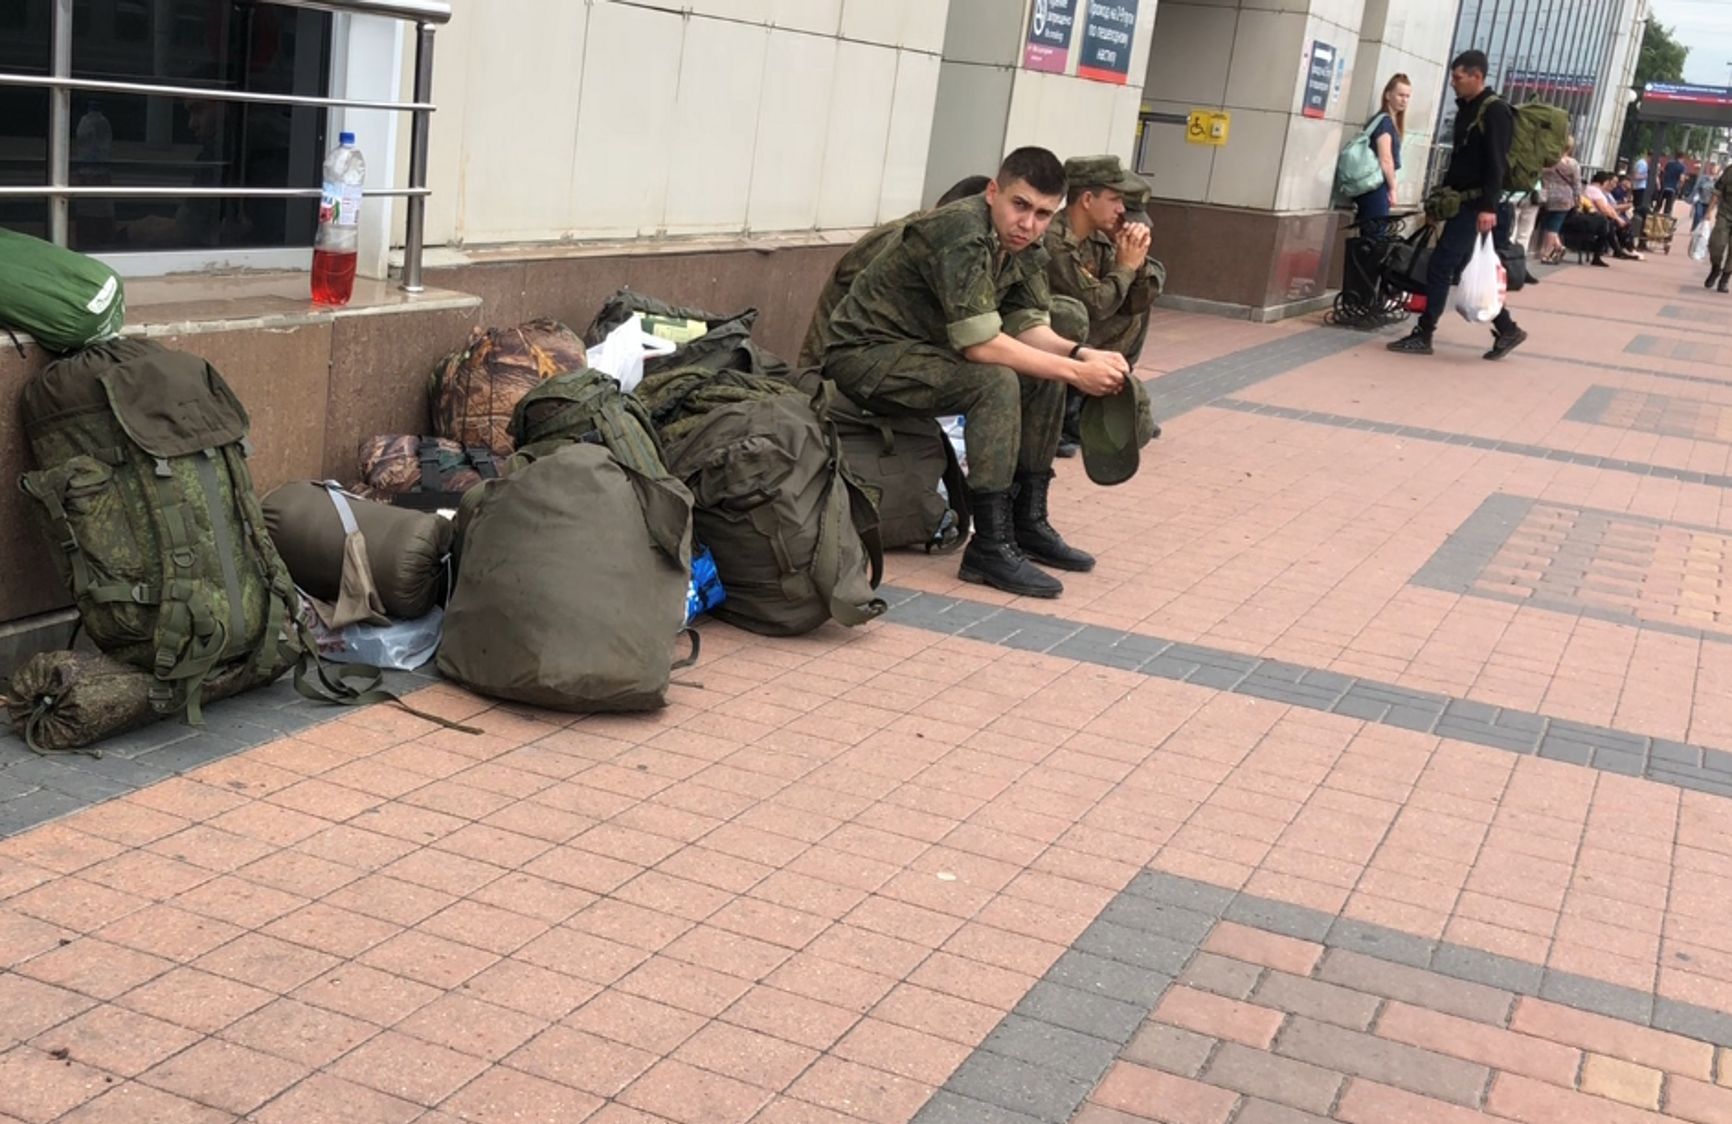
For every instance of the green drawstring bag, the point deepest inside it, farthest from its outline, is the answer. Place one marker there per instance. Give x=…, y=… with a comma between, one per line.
x=63, y=299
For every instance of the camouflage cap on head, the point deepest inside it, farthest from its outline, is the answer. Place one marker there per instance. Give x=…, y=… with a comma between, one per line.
x=1101, y=171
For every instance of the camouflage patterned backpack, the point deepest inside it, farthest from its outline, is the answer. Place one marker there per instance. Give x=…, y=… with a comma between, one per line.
x=473, y=390
x=145, y=490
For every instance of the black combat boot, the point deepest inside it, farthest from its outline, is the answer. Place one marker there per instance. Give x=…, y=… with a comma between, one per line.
x=992, y=556
x=1725, y=276
x=1035, y=535
x=1713, y=276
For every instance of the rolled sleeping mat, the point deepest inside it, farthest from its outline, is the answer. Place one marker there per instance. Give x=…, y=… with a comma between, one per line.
x=61, y=701
x=406, y=550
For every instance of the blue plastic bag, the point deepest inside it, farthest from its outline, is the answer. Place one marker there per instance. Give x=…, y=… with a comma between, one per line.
x=705, y=590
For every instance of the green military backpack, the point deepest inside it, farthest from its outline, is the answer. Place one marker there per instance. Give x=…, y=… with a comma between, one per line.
x=589, y=406
x=901, y=462
x=794, y=536
x=145, y=491
x=1542, y=133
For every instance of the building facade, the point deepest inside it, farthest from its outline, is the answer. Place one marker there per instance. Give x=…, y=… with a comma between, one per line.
x=1577, y=54
x=606, y=130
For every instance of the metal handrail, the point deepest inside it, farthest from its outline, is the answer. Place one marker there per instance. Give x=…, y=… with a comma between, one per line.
x=203, y=93
x=59, y=191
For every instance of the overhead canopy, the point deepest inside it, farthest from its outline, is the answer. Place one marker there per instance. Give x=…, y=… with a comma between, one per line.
x=1687, y=105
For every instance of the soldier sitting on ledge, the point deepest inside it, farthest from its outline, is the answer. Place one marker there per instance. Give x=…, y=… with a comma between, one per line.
x=954, y=318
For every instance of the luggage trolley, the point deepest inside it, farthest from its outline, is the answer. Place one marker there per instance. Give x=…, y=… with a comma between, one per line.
x=1658, y=231
x=1381, y=274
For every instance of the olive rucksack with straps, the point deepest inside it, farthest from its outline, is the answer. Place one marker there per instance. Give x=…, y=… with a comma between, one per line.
x=146, y=496
x=794, y=536
x=1542, y=133
x=572, y=591
x=901, y=463
x=587, y=405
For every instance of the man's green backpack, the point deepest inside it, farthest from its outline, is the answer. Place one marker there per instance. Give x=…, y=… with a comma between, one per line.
x=794, y=536
x=586, y=405
x=1542, y=133
x=145, y=491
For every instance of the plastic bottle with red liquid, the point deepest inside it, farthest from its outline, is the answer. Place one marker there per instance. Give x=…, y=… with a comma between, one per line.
x=337, y=244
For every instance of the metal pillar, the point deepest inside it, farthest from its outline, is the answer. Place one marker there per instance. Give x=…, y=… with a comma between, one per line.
x=415, y=215
x=60, y=125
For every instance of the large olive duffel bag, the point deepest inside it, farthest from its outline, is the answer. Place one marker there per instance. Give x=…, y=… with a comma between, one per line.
x=572, y=590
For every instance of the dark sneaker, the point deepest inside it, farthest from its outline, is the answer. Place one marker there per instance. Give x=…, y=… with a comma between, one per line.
x=1721, y=287
x=1068, y=447
x=1713, y=276
x=1502, y=343
x=1601, y=262
x=1414, y=343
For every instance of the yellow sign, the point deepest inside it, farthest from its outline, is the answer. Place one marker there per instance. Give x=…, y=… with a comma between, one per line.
x=1208, y=126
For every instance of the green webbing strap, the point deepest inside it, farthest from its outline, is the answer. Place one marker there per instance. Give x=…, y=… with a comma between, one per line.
x=204, y=467
x=50, y=497
x=838, y=506
x=183, y=618
x=351, y=684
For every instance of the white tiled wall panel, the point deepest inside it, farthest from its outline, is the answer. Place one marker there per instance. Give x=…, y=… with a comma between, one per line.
x=518, y=143
x=909, y=136
x=626, y=127
x=793, y=122
x=710, y=161
x=858, y=127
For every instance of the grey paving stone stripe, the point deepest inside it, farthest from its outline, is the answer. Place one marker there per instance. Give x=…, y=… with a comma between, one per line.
x=1458, y=563
x=1702, y=768
x=1044, y=1058
x=1490, y=444
x=36, y=789
x=1181, y=391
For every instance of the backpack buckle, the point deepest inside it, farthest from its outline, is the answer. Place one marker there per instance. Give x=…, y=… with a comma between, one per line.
x=162, y=468
x=141, y=594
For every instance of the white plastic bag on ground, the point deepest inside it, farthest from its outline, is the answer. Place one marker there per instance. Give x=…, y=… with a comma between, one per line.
x=1480, y=295
x=401, y=645
x=622, y=353
x=1699, y=242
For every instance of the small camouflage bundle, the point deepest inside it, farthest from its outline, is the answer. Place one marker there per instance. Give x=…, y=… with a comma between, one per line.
x=63, y=701
x=395, y=464
x=473, y=390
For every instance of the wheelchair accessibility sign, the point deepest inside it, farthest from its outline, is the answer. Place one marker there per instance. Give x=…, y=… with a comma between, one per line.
x=1208, y=126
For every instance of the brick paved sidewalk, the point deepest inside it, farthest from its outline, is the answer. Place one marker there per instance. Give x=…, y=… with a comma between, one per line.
x=1379, y=773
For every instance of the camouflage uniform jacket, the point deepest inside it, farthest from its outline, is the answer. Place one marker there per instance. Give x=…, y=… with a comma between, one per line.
x=948, y=283
x=1088, y=269
x=858, y=257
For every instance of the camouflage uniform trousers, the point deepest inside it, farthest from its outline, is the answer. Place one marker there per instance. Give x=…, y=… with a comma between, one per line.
x=1013, y=420
x=1720, y=239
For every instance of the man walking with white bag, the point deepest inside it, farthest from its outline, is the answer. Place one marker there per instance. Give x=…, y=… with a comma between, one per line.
x=1484, y=128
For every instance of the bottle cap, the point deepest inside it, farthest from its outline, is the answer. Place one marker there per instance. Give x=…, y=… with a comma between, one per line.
x=345, y=138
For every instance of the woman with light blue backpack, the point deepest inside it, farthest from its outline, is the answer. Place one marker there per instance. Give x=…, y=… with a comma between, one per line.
x=1383, y=133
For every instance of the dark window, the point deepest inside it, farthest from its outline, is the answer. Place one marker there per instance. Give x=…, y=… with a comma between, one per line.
x=178, y=142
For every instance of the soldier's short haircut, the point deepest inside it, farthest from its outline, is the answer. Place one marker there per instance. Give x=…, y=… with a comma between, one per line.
x=1037, y=167
x=1474, y=62
x=963, y=188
